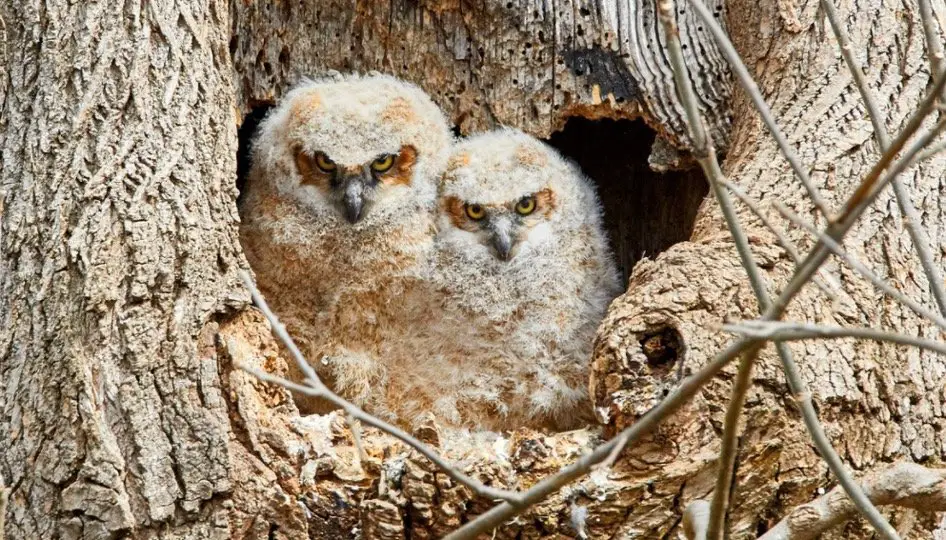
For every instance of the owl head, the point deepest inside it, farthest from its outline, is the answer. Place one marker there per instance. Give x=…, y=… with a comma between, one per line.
x=359, y=150
x=505, y=194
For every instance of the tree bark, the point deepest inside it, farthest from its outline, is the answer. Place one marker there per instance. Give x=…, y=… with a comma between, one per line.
x=119, y=253
x=122, y=318
x=525, y=63
x=879, y=403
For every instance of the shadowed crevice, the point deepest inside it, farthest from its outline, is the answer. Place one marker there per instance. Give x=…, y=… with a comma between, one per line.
x=645, y=212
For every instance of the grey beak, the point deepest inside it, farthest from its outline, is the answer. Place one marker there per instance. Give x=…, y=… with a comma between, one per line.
x=354, y=200
x=503, y=245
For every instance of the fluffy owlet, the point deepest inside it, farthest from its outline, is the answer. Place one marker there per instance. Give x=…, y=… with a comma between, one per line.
x=337, y=220
x=526, y=276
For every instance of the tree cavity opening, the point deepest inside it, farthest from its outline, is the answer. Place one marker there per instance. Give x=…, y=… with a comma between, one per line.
x=645, y=212
x=245, y=134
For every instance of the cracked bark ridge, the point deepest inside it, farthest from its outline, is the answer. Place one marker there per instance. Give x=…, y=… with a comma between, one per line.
x=118, y=249
x=524, y=63
x=879, y=402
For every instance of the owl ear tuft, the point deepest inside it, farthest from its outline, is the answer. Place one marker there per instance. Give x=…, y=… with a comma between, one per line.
x=530, y=156
x=400, y=111
x=303, y=107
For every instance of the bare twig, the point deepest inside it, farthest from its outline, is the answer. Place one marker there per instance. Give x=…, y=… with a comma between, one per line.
x=320, y=390
x=719, y=506
x=904, y=198
x=706, y=157
x=793, y=331
x=862, y=269
x=827, y=284
x=752, y=90
x=847, y=52
x=280, y=330
x=874, y=183
x=906, y=484
x=780, y=235
x=355, y=428
x=934, y=44
x=615, y=453
x=931, y=151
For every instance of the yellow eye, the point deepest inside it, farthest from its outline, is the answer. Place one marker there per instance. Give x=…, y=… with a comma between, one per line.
x=475, y=211
x=324, y=163
x=525, y=206
x=383, y=163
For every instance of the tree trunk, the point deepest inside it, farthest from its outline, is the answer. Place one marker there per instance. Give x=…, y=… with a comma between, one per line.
x=119, y=254
x=879, y=403
x=122, y=318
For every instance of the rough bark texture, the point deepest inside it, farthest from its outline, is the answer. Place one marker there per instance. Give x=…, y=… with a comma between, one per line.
x=121, y=320
x=880, y=403
x=525, y=63
x=118, y=249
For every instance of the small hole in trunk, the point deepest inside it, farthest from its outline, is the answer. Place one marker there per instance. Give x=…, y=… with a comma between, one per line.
x=662, y=348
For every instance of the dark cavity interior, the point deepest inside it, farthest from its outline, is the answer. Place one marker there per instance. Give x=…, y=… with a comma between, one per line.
x=645, y=212
x=245, y=134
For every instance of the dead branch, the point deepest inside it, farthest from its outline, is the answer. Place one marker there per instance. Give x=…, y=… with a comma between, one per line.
x=934, y=43
x=792, y=331
x=906, y=484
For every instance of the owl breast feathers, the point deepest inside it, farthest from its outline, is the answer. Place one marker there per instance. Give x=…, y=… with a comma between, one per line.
x=337, y=220
x=419, y=275
x=525, y=275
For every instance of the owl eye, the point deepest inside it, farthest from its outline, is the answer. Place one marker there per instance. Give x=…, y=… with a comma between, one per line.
x=383, y=163
x=475, y=211
x=525, y=206
x=324, y=163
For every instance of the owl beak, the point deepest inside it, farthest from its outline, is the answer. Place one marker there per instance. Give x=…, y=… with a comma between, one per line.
x=502, y=228
x=503, y=246
x=502, y=242
x=354, y=199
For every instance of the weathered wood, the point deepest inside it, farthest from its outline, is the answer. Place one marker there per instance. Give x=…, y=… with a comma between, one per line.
x=121, y=317
x=879, y=403
x=118, y=250
x=528, y=63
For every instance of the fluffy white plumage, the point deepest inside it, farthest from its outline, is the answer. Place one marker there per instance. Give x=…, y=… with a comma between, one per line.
x=337, y=222
x=514, y=337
